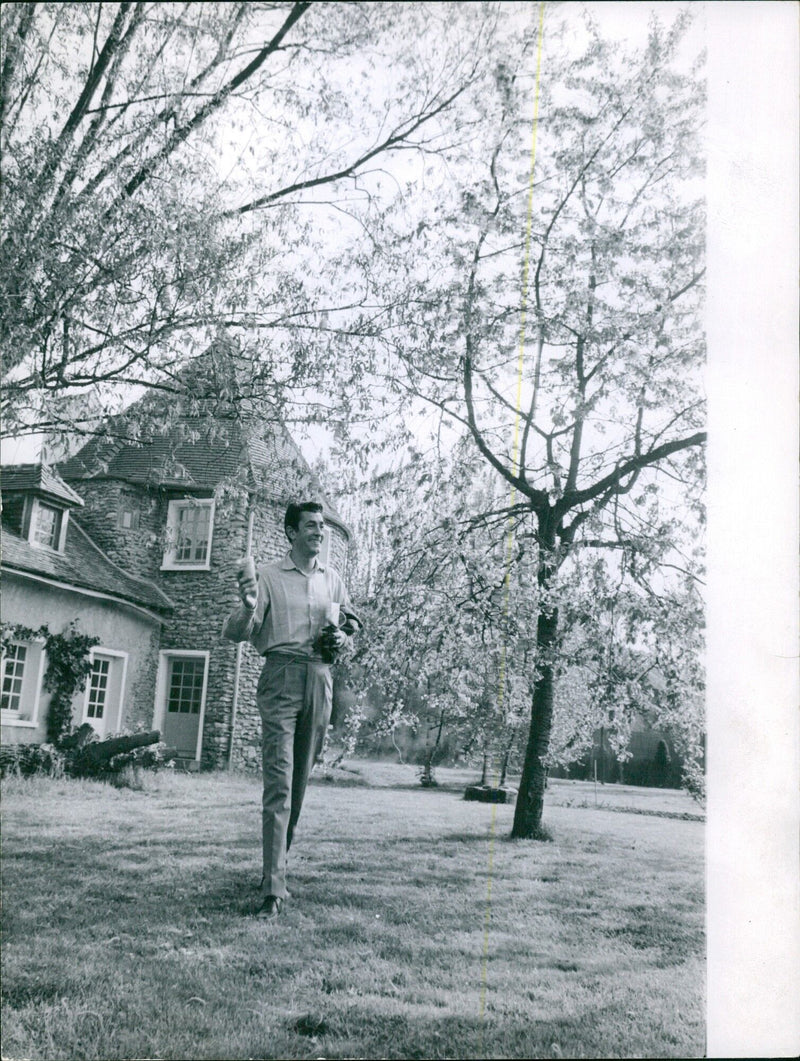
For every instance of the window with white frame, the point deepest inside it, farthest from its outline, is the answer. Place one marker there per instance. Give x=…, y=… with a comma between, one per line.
x=98, y=688
x=21, y=672
x=14, y=660
x=46, y=525
x=105, y=688
x=190, y=524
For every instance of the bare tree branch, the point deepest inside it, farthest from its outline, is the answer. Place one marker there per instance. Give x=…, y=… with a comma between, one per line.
x=614, y=480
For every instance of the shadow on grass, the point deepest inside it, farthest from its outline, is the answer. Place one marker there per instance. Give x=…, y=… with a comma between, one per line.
x=163, y=885
x=362, y=780
x=648, y=929
x=365, y=1029
x=35, y=992
x=435, y=843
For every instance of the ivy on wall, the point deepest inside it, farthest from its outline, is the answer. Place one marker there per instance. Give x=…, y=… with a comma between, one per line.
x=68, y=666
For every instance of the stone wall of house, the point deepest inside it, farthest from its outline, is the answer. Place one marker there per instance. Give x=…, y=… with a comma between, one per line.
x=138, y=549
x=142, y=683
x=203, y=599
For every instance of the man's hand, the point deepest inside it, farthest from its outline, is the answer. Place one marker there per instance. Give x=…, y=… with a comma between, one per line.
x=338, y=638
x=329, y=641
x=248, y=587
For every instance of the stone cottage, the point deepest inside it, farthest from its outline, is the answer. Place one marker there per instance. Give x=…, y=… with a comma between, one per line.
x=204, y=483
x=53, y=573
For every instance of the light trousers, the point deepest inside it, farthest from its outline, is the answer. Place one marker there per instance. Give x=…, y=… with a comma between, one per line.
x=294, y=700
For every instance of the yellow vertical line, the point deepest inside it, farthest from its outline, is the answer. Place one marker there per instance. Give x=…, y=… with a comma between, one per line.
x=510, y=536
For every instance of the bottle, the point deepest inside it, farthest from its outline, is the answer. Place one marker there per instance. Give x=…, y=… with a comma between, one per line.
x=246, y=571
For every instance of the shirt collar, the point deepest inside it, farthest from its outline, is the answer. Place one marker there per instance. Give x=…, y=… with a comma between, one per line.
x=287, y=564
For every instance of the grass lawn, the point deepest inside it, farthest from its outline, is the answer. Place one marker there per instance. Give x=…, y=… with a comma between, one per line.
x=127, y=930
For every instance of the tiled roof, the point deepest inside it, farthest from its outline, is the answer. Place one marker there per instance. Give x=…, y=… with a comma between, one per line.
x=220, y=440
x=83, y=565
x=194, y=455
x=222, y=435
x=163, y=461
x=40, y=479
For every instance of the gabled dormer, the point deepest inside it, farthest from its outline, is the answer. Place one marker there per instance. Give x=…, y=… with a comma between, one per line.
x=36, y=504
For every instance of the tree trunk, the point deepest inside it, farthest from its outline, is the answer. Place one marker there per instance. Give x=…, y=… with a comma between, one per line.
x=530, y=799
x=438, y=735
x=92, y=755
x=504, y=769
x=396, y=746
x=427, y=773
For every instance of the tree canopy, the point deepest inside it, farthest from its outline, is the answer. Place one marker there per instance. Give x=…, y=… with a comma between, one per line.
x=450, y=602
x=584, y=395
x=163, y=166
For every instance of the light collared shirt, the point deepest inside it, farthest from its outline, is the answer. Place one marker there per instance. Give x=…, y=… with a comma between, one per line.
x=291, y=609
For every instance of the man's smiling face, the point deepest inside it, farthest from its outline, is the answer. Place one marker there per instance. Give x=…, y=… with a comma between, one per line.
x=309, y=534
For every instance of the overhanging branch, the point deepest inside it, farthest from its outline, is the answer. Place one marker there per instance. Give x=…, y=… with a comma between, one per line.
x=613, y=482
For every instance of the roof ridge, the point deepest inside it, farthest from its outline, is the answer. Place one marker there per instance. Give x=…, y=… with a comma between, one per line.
x=41, y=477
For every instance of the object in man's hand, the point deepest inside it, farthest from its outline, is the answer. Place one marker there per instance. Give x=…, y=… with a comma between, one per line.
x=246, y=572
x=325, y=644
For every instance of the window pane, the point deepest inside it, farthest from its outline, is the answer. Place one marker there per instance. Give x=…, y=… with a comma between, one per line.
x=185, y=686
x=98, y=688
x=48, y=525
x=13, y=673
x=192, y=535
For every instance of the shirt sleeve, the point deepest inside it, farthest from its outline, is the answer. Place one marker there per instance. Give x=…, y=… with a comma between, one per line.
x=244, y=624
x=239, y=625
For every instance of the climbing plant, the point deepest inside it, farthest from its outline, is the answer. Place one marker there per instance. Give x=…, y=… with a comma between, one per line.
x=68, y=666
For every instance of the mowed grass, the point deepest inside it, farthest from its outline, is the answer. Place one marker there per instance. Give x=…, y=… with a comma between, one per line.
x=415, y=928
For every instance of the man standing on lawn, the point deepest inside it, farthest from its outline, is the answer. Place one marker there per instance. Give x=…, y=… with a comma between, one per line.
x=296, y=613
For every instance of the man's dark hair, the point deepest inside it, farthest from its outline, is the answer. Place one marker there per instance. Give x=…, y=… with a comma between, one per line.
x=293, y=513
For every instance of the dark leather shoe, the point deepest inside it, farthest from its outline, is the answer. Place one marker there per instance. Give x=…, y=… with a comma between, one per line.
x=270, y=908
